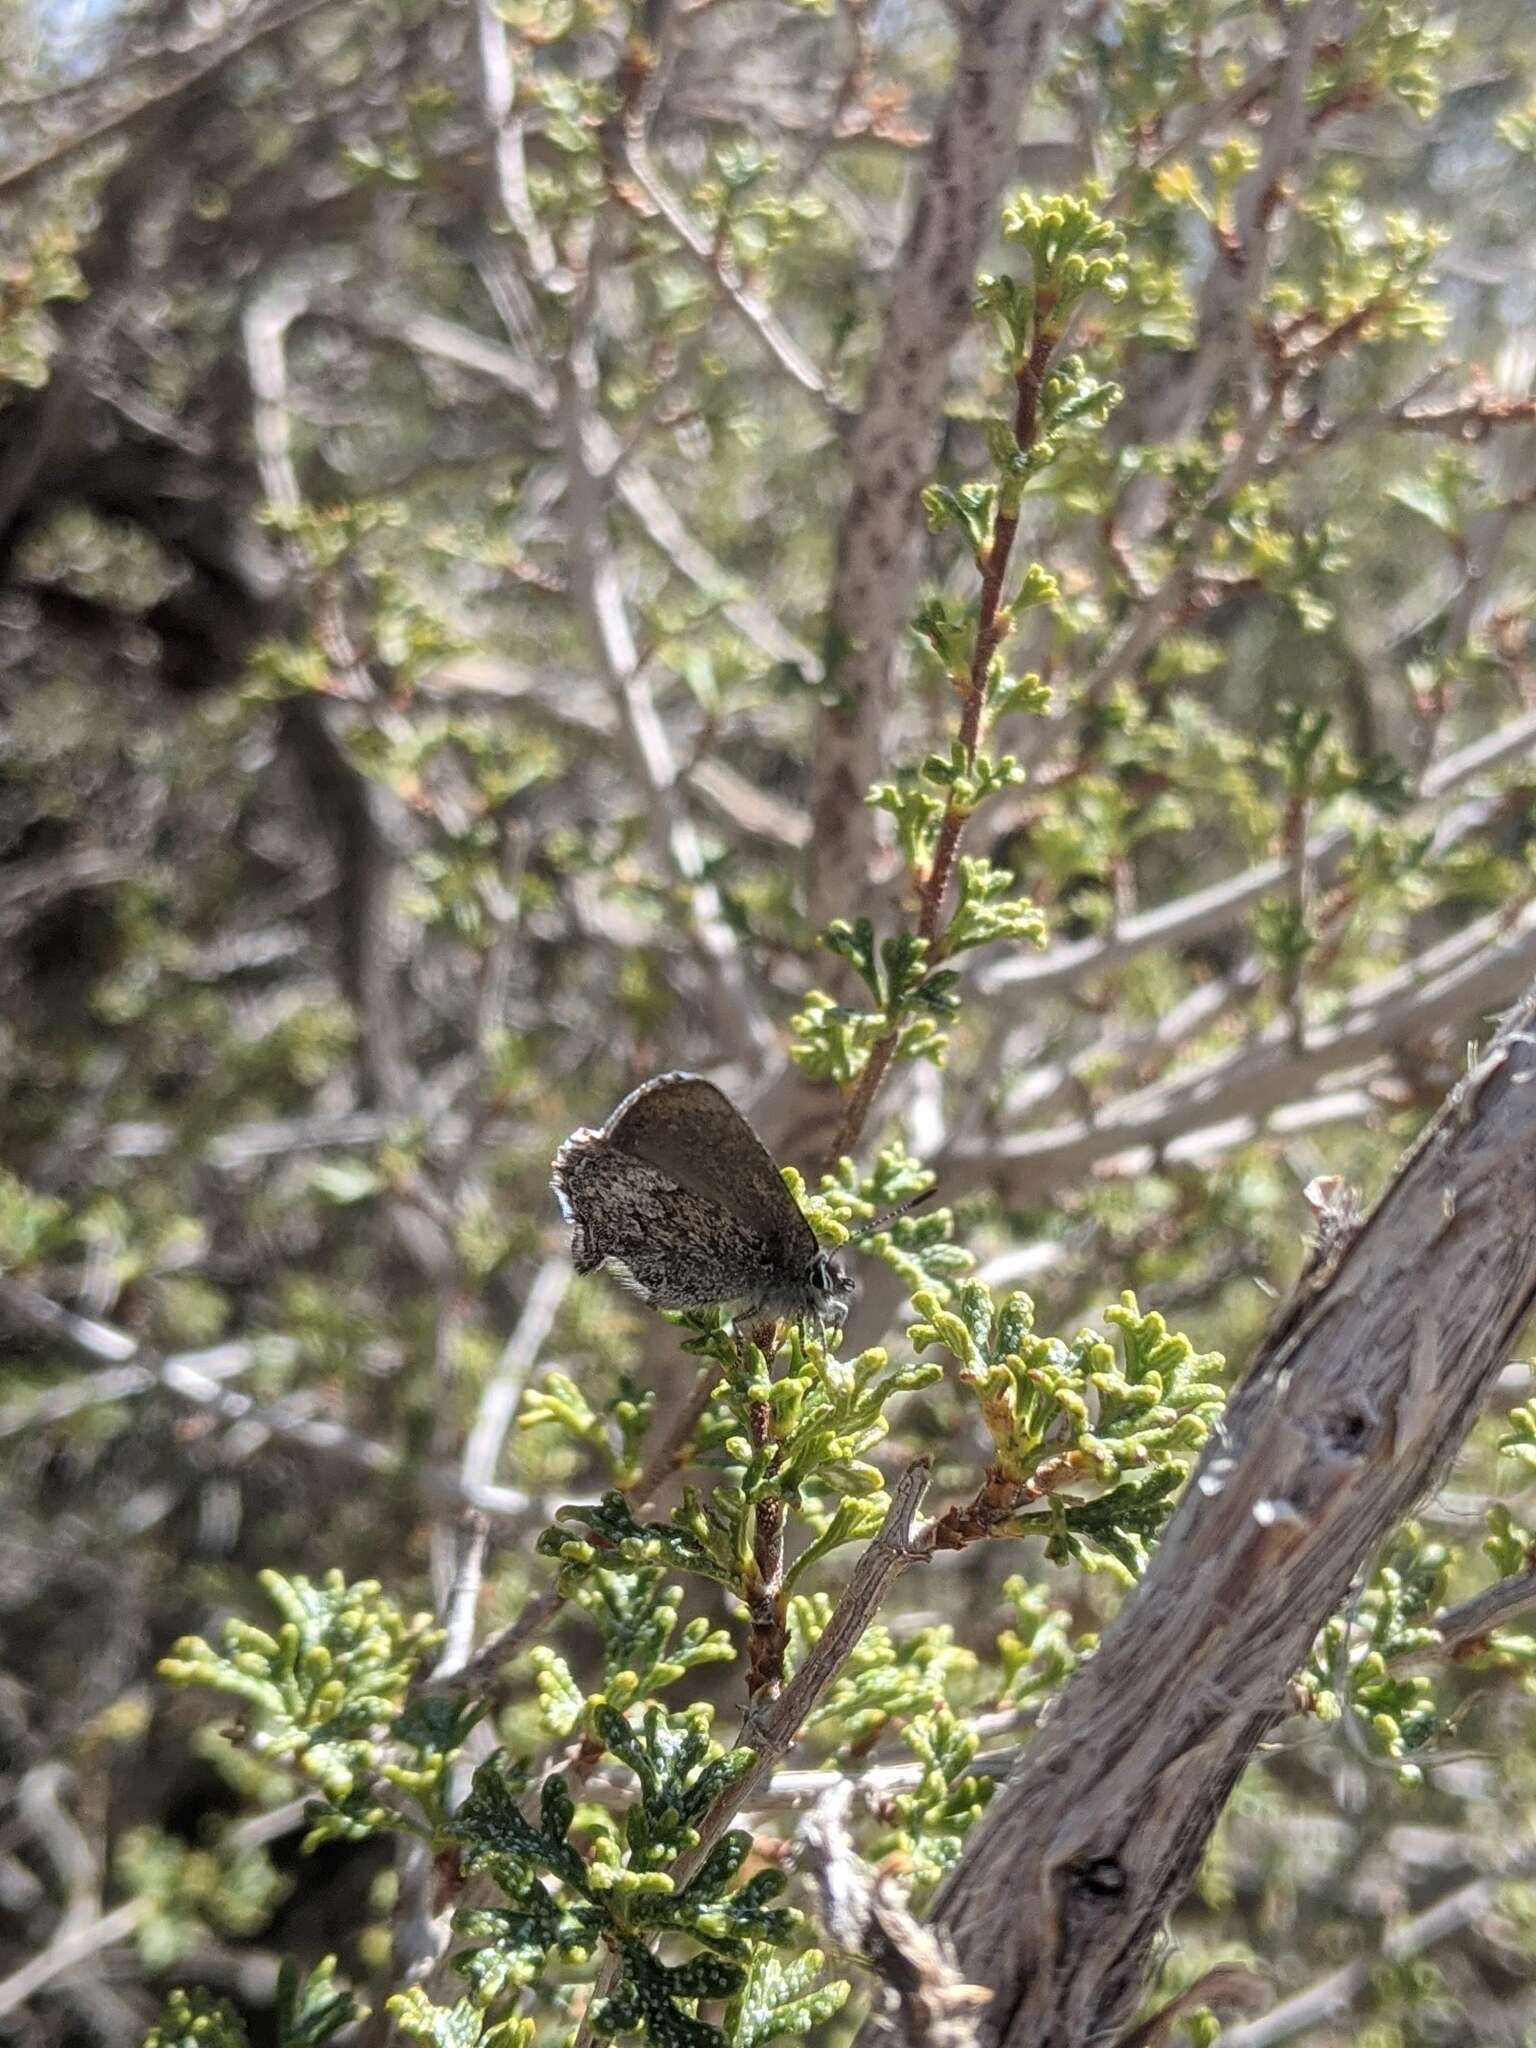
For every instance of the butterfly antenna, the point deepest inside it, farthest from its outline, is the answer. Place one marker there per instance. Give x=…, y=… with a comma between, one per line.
x=887, y=1217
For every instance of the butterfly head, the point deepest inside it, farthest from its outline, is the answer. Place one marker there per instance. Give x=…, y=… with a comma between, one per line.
x=830, y=1289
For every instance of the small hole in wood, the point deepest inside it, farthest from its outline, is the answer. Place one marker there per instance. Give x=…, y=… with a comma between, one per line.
x=1345, y=1430
x=1102, y=1878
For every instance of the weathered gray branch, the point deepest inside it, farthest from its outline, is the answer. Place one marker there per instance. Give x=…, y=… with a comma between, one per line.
x=1355, y=1405
x=504, y=1388
x=864, y=1911
x=598, y=589
x=1479, y=971
x=131, y=1368
x=72, y=120
x=1467, y=1626
x=1203, y=912
x=758, y=317
x=1326, y=2002
x=1236, y=277
x=430, y=335
x=77, y=1942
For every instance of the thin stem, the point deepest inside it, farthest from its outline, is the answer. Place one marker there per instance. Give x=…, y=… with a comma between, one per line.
x=856, y=1109
x=1299, y=896
x=991, y=628
x=771, y=1730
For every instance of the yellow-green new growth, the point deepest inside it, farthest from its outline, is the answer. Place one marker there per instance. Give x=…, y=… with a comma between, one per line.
x=1088, y=1446
x=323, y=1689
x=463, y=2025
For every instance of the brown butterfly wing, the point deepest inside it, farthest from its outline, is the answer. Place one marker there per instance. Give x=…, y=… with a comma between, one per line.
x=675, y=1248
x=683, y=1125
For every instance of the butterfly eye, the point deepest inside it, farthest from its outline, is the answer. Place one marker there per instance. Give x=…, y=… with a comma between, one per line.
x=828, y=1277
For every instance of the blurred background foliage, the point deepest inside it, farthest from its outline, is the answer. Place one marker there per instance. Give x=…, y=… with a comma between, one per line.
x=428, y=439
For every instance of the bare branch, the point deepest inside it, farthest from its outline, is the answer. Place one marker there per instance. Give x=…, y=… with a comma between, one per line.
x=924, y=1998
x=1228, y=1988
x=498, y=98
x=77, y=1945
x=350, y=807
x=504, y=1388
x=1478, y=971
x=635, y=487
x=1465, y=1628
x=754, y=313
x=463, y=1595
x=30, y=885
x=196, y=1377
x=1204, y=912
x=87, y=113
x=598, y=589
x=1331, y=1999
x=1235, y=280
x=79, y=1942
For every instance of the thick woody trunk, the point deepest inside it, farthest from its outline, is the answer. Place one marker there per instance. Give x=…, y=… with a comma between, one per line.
x=1356, y=1403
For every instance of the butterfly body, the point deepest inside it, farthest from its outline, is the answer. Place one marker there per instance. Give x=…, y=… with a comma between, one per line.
x=679, y=1198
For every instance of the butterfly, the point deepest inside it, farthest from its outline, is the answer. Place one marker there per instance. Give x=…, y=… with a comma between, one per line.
x=679, y=1198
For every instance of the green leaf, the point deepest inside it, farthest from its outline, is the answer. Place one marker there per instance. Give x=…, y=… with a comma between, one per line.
x=498, y=1838
x=782, y=1998
x=455, y=2026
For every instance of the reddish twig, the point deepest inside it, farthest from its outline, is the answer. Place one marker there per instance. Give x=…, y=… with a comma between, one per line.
x=991, y=628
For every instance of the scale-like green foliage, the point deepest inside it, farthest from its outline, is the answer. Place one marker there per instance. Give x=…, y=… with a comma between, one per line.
x=195, y=2019
x=617, y=1887
x=184, y=1892
x=1038, y=1653
x=782, y=1999
x=463, y=2025
x=799, y=1439
x=47, y=273
x=310, y=2008
x=920, y=1249
x=322, y=1691
x=886, y=1678
x=1094, y=1445
x=1356, y=1663
x=614, y=1431
x=929, y=1823
x=430, y=639
x=637, y=1619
